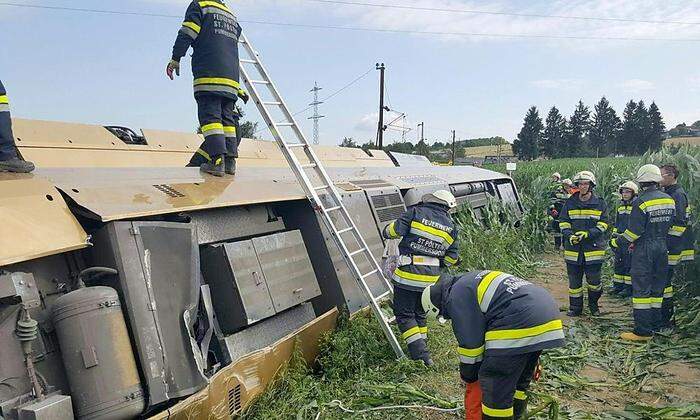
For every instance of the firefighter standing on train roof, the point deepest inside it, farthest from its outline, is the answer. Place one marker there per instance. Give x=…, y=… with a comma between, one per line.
x=622, y=281
x=680, y=240
x=652, y=216
x=429, y=242
x=583, y=222
x=502, y=323
x=213, y=31
x=9, y=159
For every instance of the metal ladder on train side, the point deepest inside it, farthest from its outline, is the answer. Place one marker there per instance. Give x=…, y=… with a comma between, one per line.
x=324, y=197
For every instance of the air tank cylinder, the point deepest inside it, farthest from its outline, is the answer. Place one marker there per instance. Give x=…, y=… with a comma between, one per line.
x=97, y=354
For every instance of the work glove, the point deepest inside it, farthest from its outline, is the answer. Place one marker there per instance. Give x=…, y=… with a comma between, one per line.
x=554, y=213
x=574, y=239
x=172, y=66
x=613, y=243
x=243, y=95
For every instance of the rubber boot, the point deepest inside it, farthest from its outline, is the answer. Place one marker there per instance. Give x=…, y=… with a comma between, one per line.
x=472, y=401
x=519, y=409
x=215, y=167
x=630, y=336
x=230, y=164
x=16, y=165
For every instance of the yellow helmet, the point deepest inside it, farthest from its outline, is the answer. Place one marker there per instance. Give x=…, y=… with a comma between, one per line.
x=585, y=176
x=649, y=173
x=630, y=185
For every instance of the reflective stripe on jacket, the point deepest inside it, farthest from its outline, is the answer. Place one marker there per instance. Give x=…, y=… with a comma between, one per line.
x=589, y=216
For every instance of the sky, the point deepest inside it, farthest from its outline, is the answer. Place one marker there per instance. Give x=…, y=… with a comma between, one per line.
x=109, y=69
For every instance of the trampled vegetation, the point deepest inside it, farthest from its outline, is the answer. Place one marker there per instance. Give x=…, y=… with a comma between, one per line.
x=597, y=376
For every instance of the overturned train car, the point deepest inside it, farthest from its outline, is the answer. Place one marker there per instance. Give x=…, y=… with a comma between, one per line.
x=133, y=287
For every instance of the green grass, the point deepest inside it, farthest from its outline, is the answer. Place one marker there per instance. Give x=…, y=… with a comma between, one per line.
x=357, y=370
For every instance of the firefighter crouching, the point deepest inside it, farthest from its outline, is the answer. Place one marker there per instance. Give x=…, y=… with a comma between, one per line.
x=429, y=242
x=652, y=216
x=212, y=30
x=502, y=323
x=9, y=160
x=680, y=240
x=583, y=222
x=622, y=281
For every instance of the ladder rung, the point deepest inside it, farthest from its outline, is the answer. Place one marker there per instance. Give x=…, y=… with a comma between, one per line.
x=359, y=251
x=245, y=60
x=272, y=103
x=259, y=82
x=364, y=276
x=332, y=208
x=341, y=231
x=296, y=144
x=390, y=320
x=310, y=165
x=322, y=187
x=383, y=295
x=284, y=124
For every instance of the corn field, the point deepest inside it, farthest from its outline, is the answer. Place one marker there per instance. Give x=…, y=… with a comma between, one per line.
x=596, y=376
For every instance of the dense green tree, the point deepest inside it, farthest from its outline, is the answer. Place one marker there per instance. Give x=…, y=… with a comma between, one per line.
x=605, y=128
x=657, y=127
x=642, y=129
x=348, y=142
x=422, y=148
x=626, y=140
x=526, y=146
x=577, y=133
x=552, y=142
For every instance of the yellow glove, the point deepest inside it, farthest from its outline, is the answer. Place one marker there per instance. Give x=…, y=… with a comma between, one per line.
x=574, y=239
x=582, y=234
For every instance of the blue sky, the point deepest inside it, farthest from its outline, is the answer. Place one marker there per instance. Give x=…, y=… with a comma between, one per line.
x=109, y=69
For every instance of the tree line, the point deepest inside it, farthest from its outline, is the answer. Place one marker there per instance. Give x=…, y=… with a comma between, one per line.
x=601, y=133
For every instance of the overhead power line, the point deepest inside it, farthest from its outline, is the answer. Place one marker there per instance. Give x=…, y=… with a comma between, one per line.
x=369, y=29
x=514, y=14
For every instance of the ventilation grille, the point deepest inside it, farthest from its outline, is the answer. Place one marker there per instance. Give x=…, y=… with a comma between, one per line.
x=421, y=179
x=234, y=400
x=390, y=213
x=168, y=190
x=381, y=201
x=387, y=205
x=371, y=183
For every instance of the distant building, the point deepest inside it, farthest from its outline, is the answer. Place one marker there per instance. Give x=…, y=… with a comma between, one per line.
x=500, y=159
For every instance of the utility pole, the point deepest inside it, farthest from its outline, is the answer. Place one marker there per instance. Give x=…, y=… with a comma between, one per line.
x=421, y=125
x=454, y=156
x=316, y=116
x=382, y=108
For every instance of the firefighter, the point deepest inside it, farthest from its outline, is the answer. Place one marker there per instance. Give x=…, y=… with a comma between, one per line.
x=558, y=198
x=9, y=159
x=583, y=222
x=622, y=281
x=556, y=177
x=212, y=30
x=680, y=240
x=652, y=216
x=502, y=324
x=429, y=242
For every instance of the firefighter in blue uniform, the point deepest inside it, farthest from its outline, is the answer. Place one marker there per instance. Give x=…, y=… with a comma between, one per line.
x=429, y=242
x=653, y=214
x=557, y=198
x=583, y=222
x=212, y=30
x=622, y=281
x=681, y=241
x=502, y=323
x=9, y=160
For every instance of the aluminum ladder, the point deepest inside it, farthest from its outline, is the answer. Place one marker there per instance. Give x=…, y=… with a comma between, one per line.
x=307, y=168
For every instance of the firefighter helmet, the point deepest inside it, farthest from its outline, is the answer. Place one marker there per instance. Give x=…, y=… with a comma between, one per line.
x=567, y=182
x=556, y=176
x=430, y=309
x=630, y=185
x=443, y=197
x=585, y=176
x=649, y=173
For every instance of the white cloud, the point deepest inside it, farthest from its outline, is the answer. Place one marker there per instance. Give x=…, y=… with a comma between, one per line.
x=368, y=122
x=567, y=84
x=637, y=85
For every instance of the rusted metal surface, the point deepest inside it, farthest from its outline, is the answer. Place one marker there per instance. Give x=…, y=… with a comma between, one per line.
x=36, y=220
x=233, y=388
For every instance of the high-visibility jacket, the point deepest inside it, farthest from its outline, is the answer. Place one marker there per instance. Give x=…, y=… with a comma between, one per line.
x=589, y=216
x=653, y=213
x=681, y=241
x=622, y=217
x=429, y=241
x=498, y=314
x=7, y=141
x=213, y=31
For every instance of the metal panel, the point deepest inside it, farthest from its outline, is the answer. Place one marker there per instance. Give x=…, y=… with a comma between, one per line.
x=249, y=281
x=386, y=203
x=36, y=221
x=219, y=225
x=54, y=407
x=284, y=260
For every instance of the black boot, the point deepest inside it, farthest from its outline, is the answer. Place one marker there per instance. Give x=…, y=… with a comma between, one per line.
x=215, y=167
x=574, y=312
x=519, y=409
x=16, y=165
x=230, y=164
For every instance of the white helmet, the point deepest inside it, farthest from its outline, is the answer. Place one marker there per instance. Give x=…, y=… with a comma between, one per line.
x=430, y=309
x=630, y=185
x=556, y=175
x=585, y=176
x=649, y=173
x=567, y=182
x=443, y=197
